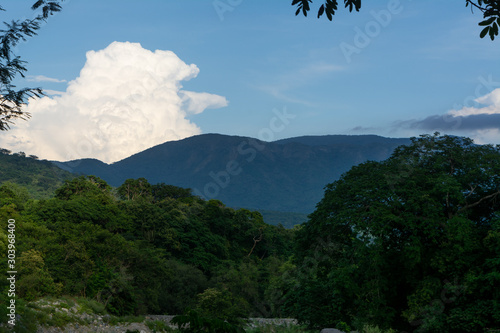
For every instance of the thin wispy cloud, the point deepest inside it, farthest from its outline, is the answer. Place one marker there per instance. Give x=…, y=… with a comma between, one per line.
x=43, y=78
x=125, y=100
x=284, y=85
x=52, y=92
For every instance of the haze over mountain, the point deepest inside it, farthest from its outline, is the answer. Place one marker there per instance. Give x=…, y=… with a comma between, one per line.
x=286, y=175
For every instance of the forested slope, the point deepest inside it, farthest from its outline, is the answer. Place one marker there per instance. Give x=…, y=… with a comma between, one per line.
x=40, y=178
x=287, y=175
x=141, y=249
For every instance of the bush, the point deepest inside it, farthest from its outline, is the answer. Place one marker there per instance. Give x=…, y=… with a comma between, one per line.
x=158, y=326
x=194, y=322
x=91, y=306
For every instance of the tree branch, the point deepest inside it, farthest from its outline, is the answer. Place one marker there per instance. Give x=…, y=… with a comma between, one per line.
x=255, y=241
x=479, y=201
x=475, y=5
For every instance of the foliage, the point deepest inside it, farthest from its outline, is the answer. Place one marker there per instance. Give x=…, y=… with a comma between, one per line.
x=279, y=329
x=26, y=321
x=39, y=178
x=491, y=15
x=139, y=254
x=87, y=186
x=410, y=243
x=286, y=219
x=133, y=189
x=11, y=65
x=159, y=326
x=376, y=329
x=35, y=281
x=489, y=8
x=162, y=191
x=221, y=304
x=401, y=243
x=194, y=322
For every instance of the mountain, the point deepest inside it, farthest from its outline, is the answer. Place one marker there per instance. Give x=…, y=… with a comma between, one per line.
x=286, y=175
x=40, y=178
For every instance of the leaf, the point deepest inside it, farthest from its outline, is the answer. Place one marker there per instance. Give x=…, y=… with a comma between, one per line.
x=494, y=27
x=492, y=34
x=321, y=10
x=484, y=32
x=488, y=21
x=37, y=4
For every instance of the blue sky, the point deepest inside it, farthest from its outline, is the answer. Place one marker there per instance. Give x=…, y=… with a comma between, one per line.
x=396, y=68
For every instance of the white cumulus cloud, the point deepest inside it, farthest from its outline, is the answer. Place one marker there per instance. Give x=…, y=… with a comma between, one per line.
x=125, y=100
x=491, y=102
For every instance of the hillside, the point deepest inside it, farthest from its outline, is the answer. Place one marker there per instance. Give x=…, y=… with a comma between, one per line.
x=40, y=178
x=286, y=175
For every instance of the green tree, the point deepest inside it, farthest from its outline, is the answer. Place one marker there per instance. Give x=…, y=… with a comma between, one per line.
x=133, y=189
x=216, y=311
x=12, y=100
x=11, y=193
x=489, y=8
x=401, y=243
x=35, y=281
x=162, y=191
x=86, y=186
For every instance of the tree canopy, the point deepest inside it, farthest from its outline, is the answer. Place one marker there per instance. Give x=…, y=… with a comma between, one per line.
x=141, y=249
x=489, y=8
x=411, y=243
x=13, y=99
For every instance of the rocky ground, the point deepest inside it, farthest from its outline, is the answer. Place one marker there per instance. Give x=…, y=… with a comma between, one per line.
x=69, y=316
x=143, y=328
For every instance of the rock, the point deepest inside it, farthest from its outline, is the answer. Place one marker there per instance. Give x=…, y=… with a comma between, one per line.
x=330, y=330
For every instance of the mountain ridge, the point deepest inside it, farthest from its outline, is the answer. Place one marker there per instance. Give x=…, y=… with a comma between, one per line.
x=284, y=175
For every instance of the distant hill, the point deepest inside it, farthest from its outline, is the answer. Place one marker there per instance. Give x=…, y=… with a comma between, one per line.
x=349, y=140
x=286, y=175
x=40, y=178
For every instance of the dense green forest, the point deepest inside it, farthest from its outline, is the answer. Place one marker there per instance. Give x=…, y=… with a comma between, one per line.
x=141, y=249
x=40, y=178
x=410, y=244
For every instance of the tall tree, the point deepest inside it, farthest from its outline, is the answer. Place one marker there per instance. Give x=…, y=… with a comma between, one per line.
x=489, y=8
x=409, y=243
x=12, y=99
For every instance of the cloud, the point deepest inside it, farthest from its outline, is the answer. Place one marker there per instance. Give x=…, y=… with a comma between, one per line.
x=43, y=78
x=491, y=100
x=480, y=123
x=285, y=86
x=466, y=119
x=196, y=102
x=125, y=100
x=52, y=92
x=454, y=123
